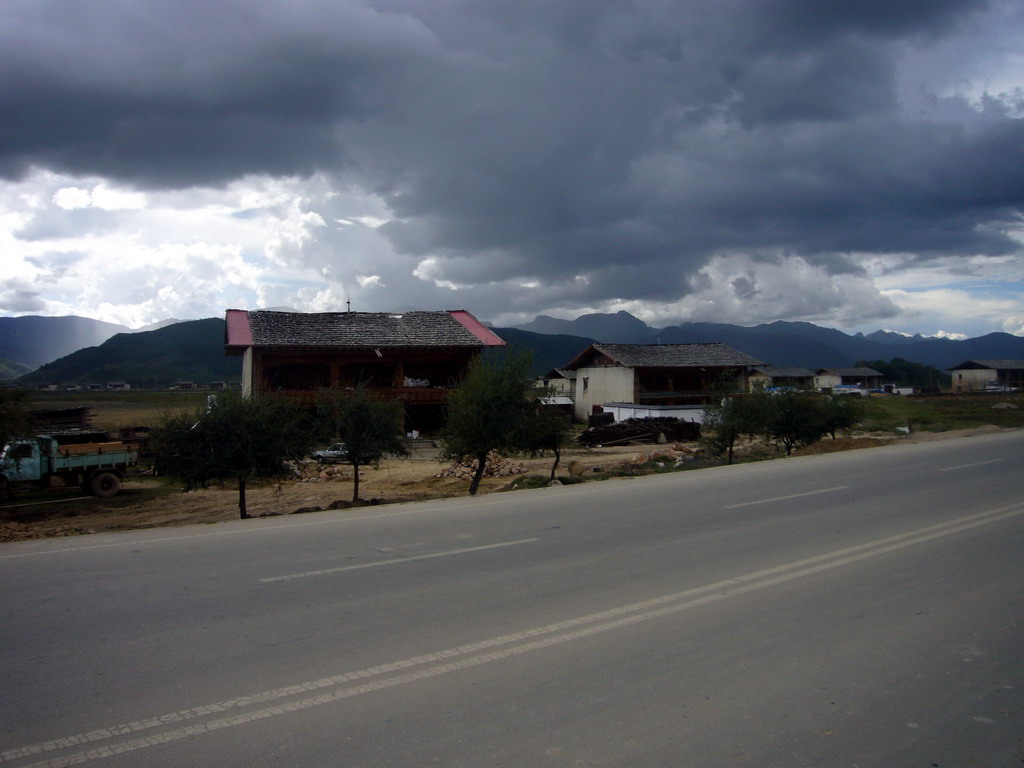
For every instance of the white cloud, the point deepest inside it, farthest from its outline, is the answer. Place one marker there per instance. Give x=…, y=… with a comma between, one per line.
x=70, y=198
x=970, y=312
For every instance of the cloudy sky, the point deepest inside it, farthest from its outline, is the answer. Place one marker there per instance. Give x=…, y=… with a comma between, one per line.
x=859, y=165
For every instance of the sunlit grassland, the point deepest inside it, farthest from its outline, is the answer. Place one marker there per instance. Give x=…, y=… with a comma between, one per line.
x=112, y=411
x=942, y=413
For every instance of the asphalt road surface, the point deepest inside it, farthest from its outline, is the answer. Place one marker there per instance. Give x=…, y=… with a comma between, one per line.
x=855, y=609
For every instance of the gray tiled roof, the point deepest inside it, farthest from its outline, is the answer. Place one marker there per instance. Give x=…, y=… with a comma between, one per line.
x=675, y=355
x=861, y=371
x=359, y=329
x=778, y=371
x=995, y=365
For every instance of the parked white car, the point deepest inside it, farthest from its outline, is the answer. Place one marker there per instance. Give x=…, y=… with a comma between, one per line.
x=333, y=453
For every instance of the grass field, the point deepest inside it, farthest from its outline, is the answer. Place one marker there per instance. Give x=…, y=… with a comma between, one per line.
x=113, y=410
x=942, y=413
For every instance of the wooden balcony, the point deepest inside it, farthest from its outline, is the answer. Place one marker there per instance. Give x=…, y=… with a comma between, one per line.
x=411, y=395
x=676, y=397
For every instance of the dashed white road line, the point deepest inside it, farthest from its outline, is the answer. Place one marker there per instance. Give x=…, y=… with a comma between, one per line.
x=968, y=466
x=395, y=561
x=443, y=662
x=786, y=498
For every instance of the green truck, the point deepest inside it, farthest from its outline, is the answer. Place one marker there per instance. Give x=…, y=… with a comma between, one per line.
x=40, y=462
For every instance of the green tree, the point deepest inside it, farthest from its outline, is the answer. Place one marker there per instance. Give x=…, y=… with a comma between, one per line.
x=234, y=439
x=369, y=426
x=796, y=419
x=733, y=418
x=15, y=415
x=546, y=429
x=841, y=413
x=908, y=374
x=490, y=410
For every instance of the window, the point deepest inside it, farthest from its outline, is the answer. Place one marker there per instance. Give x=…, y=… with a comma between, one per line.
x=586, y=383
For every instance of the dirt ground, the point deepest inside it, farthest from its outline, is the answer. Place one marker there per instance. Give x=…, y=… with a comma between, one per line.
x=149, y=503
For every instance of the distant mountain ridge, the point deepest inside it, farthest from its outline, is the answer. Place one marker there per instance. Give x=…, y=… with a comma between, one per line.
x=194, y=350
x=789, y=343
x=33, y=340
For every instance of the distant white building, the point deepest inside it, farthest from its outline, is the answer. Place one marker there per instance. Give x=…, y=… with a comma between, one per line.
x=655, y=375
x=981, y=375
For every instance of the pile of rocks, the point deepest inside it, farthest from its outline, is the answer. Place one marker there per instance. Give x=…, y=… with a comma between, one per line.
x=677, y=456
x=496, y=466
x=311, y=472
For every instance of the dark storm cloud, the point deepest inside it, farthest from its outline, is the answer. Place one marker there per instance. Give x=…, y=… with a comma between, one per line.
x=179, y=93
x=534, y=139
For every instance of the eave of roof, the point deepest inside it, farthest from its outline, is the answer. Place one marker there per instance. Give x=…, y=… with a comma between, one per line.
x=995, y=365
x=488, y=337
x=778, y=370
x=237, y=331
x=354, y=330
x=699, y=355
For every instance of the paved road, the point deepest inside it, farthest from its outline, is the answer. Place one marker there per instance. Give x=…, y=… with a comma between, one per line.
x=857, y=609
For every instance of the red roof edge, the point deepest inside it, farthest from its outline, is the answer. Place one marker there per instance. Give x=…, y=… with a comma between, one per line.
x=238, y=333
x=478, y=329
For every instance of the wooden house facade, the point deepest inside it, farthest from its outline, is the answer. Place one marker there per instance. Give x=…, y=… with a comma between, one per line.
x=414, y=357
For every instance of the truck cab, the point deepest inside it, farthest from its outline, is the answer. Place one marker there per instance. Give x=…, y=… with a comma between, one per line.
x=21, y=461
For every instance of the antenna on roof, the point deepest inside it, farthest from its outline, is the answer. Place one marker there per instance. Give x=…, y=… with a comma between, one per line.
x=348, y=305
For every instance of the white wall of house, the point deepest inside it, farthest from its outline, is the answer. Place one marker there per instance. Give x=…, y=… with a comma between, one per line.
x=756, y=381
x=972, y=380
x=827, y=380
x=623, y=411
x=247, y=373
x=599, y=385
x=558, y=386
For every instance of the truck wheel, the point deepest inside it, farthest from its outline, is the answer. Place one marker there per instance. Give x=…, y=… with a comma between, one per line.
x=105, y=484
x=5, y=489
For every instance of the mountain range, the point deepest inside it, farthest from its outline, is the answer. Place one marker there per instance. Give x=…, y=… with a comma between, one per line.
x=785, y=343
x=43, y=350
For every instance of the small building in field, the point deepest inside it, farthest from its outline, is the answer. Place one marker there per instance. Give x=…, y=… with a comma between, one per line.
x=413, y=357
x=988, y=375
x=860, y=377
x=656, y=374
x=769, y=376
x=558, y=382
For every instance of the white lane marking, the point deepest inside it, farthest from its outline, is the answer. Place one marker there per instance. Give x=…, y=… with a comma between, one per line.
x=521, y=642
x=968, y=466
x=410, y=559
x=785, y=498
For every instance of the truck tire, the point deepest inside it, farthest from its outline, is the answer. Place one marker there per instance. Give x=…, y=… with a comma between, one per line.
x=105, y=484
x=5, y=489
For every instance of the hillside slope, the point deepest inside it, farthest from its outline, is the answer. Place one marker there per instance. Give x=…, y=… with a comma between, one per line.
x=187, y=351
x=33, y=341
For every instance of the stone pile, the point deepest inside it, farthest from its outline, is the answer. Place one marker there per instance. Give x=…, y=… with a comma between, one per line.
x=311, y=472
x=496, y=466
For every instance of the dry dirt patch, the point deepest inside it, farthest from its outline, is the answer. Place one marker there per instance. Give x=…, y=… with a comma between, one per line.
x=146, y=502
x=143, y=503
